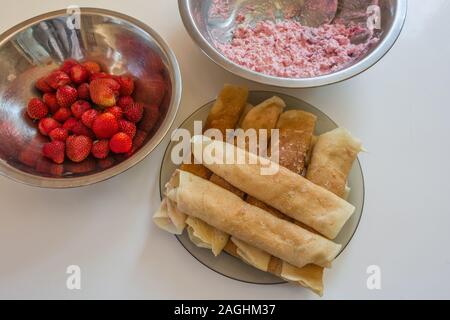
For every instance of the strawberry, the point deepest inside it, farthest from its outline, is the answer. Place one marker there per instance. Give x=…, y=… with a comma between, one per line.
x=79, y=74
x=80, y=107
x=55, y=151
x=88, y=117
x=57, y=79
x=59, y=134
x=150, y=119
x=126, y=85
x=127, y=127
x=81, y=130
x=43, y=86
x=37, y=109
x=99, y=75
x=105, y=126
x=46, y=125
x=51, y=102
x=125, y=101
x=100, y=149
x=62, y=115
x=134, y=112
x=116, y=111
x=139, y=139
x=121, y=143
x=68, y=65
x=66, y=96
x=83, y=91
x=104, y=92
x=92, y=67
x=78, y=148
x=70, y=124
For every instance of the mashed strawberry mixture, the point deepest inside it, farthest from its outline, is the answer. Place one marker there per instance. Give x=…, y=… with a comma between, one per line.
x=290, y=50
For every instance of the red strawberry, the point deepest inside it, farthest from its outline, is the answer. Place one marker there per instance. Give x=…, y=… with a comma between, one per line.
x=57, y=79
x=68, y=65
x=51, y=102
x=126, y=85
x=105, y=126
x=80, y=129
x=134, y=112
x=43, y=86
x=99, y=75
x=55, y=151
x=59, y=134
x=80, y=107
x=47, y=125
x=79, y=74
x=62, y=115
x=78, y=148
x=83, y=92
x=104, y=92
x=100, y=149
x=66, y=96
x=150, y=119
x=125, y=101
x=127, y=127
x=138, y=141
x=70, y=124
x=92, y=67
x=88, y=117
x=116, y=111
x=37, y=109
x=121, y=143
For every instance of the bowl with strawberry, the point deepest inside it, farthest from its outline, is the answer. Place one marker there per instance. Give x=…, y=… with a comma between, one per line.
x=87, y=94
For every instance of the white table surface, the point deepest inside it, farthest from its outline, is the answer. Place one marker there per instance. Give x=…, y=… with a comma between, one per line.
x=399, y=108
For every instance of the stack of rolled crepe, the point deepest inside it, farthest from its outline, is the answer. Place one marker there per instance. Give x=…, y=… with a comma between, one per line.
x=273, y=243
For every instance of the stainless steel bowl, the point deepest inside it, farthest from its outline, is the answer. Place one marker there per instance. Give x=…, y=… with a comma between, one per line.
x=195, y=15
x=31, y=49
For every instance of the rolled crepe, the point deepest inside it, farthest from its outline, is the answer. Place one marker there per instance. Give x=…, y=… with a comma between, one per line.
x=332, y=160
x=264, y=115
x=225, y=211
x=205, y=236
x=170, y=222
x=227, y=109
x=296, y=131
x=284, y=190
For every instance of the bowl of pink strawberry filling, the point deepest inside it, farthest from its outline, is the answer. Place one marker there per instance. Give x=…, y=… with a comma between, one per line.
x=86, y=94
x=294, y=43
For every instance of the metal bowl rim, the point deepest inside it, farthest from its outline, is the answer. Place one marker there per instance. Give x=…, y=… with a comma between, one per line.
x=60, y=183
x=367, y=62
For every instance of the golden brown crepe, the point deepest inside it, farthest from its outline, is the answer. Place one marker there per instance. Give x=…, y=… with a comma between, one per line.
x=284, y=190
x=332, y=160
x=264, y=115
x=225, y=211
x=296, y=129
x=227, y=109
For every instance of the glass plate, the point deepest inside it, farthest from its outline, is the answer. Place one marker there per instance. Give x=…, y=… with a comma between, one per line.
x=228, y=265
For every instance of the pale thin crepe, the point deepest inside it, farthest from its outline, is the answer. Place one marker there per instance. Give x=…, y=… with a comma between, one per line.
x=332, y=160
x=205, y=236
x=293, y=195
x=227, y=212
x=309, y=276
x=162, y=220
x=251, y=255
